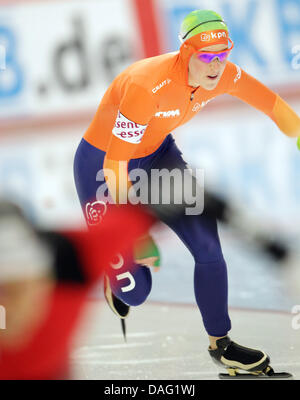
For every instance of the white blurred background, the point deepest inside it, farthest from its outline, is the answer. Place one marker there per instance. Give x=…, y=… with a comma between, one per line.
x=60, y=56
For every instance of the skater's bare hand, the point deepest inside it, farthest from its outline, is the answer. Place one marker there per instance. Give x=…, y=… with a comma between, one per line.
x=148, y=262
x=147, y=253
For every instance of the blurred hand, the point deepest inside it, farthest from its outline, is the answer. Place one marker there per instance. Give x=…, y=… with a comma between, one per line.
x=26, y=303
x=147, y=253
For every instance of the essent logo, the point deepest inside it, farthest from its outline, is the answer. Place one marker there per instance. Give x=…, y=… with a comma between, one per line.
x=128, y=130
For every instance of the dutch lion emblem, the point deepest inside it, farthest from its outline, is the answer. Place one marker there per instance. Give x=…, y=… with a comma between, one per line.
x=95, y=212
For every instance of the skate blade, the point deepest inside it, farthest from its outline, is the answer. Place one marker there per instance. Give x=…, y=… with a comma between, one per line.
x=233, y=374
x=111, y=299
x=123, y=325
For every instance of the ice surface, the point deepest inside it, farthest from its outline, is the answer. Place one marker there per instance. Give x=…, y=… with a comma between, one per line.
x=166, y=337
x=168, y=342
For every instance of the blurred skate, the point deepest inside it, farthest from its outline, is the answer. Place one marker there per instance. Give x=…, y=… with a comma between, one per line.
x=116, y=305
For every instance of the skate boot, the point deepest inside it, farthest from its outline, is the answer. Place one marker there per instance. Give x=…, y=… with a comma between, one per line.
x=234, y=357
x=116, y=305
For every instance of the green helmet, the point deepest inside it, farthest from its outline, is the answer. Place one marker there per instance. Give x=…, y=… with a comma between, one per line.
x=200, y=21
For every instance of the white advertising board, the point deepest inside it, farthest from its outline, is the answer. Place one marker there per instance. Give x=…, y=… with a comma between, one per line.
x=62, y=55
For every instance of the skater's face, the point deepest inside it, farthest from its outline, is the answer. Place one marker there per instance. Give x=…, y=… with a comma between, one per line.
x=206, y=75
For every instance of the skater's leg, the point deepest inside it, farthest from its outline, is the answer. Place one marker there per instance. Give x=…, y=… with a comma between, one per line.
x=199, y=234
x=129, y=282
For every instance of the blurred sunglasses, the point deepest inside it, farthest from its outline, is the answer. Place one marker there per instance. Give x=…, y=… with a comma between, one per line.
x=207, y=56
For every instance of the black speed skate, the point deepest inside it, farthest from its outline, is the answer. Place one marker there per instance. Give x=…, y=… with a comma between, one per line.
x=234, y=357
x=116, y=305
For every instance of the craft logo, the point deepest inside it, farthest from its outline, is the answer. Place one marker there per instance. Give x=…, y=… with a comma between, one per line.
x=238, y=75
x=162, y=84
x=95, y=212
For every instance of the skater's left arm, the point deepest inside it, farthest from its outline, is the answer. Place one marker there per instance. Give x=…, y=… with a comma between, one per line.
x=253, y=92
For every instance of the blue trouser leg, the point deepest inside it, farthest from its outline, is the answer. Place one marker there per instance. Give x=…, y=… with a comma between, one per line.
x=199, y=234
x=130, y=284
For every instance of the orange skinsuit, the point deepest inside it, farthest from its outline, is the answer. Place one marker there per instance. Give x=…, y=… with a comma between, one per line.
x=137, y=113
x=152, y=97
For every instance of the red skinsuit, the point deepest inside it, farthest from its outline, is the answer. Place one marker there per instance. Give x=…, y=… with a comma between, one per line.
x=46, y=354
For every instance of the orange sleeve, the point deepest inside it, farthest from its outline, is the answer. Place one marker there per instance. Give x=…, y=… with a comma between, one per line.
x=135, y=111
x=250, y=90
x=286, y=118
x=253, y=92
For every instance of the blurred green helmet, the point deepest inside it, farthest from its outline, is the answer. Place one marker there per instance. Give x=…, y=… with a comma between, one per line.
x=199, y=21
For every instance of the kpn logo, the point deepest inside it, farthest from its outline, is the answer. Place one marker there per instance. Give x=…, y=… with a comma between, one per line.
x=207, y=37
